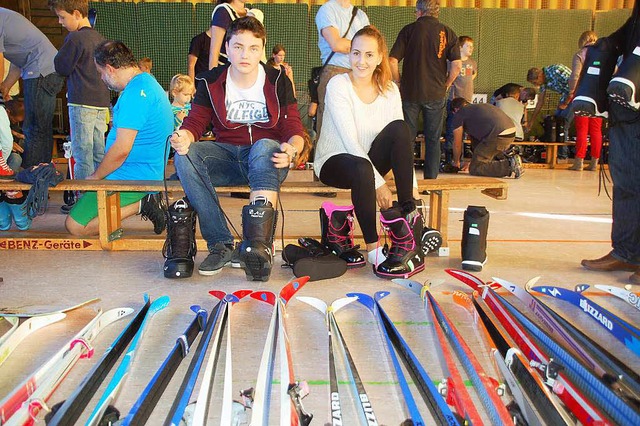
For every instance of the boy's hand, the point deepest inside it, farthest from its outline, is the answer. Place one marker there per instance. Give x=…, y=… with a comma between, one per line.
x=17, y=148
x=284, y=158
x=181, y=141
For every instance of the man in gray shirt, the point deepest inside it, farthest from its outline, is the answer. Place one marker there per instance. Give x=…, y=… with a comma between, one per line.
x=31, y=55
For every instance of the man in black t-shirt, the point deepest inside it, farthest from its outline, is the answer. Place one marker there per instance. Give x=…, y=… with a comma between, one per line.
x=491, y=132
x=198, y=58
x=425, y=46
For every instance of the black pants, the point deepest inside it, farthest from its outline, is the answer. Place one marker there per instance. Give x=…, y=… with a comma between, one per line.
x=391, y=150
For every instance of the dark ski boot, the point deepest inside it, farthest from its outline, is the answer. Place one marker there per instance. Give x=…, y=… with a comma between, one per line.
x=180, y=246
x=336, y=224
x=312, y=259
x=431, y=240
x=591, y=94
x=623, y=88
x=404, y=228
x=258, y=228
x=474, y=238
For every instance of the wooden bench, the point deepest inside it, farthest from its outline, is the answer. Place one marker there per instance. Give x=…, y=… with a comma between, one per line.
x=111, y=236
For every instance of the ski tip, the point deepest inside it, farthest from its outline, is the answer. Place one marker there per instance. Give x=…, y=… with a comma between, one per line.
x=500, y=283
x=412, y=285
x=292, y=287
x=314, y=302
x=533, y=281
x=196, y=309
x=365, y=299
x=146, y=298
x=264, y=296
x=159, y=304
x=463, y=299
x=341, y=303
x=218, y=294
x=379, y=295
x=467, y=278
x=241, y=294
x=581, y=287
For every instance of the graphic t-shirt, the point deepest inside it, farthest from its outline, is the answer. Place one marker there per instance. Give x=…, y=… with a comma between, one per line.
x=247, y=106
x=462, y=86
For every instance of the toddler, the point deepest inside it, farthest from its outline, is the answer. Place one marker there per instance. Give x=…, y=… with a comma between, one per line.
x=181, y=90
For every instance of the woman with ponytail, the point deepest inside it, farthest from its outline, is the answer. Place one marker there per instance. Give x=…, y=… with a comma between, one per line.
x=364, y=136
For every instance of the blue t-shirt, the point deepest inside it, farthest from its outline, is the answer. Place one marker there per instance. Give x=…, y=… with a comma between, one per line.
x=142, y=106
x=332, y=14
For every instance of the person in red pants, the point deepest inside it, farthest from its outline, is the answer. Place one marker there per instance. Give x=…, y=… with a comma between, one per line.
x=585, y=125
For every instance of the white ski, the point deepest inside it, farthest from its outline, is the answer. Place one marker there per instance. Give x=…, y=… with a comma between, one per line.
x=24, y=330
x=624, y=294
x=37, y=310
x=14, y=324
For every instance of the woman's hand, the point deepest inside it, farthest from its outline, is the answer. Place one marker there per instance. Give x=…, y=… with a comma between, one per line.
x=384, y=197
x=284, y=158
x=181, y=141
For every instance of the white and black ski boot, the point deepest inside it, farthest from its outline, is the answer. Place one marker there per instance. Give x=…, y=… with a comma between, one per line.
x=474, y=238
x=180, y=246
x=624, y=86
x=431, y=240
x=404, y=228
x=336, y=225
x=258, y=228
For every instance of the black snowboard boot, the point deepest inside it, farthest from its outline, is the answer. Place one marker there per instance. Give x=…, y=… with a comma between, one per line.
x=180, y=246
x=258, y=228
x=312, y=259
x=336, y=224
x=474, y=238
x=591, y=94
x=431, y=238
x=404, y=228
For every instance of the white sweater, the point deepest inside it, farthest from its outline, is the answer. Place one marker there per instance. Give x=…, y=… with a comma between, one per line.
x=350, y=125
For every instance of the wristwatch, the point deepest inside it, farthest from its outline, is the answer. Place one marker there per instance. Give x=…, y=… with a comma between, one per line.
x=295, y=153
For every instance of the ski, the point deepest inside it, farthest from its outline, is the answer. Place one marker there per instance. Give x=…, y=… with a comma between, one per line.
x=292, y=411
x=560, y=333
x=622, y=293
x=621, y=330
x=67, y=412
x=14, y=324
x=144, y=406
x=177, y=410
x=414, y=414
x=122, y=372
x=23, y=404
x=24, y=330
x=483, y=385
x=201, y=409
x=571, y=396
x=527, y=389
x=36, y=310
x=367, y=415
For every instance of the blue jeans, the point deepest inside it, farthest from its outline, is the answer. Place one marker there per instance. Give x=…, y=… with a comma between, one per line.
x=432, y=114
x=88, y=126
x=221, y=164
x=448, y=134
x=567, y=117
x=39, y=106
x=624, y=157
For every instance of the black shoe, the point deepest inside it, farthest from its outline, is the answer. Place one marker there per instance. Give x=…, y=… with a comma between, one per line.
x=450, y=168
x=515, y=162
x=219, y=257
x=312, y=259
x=152, y=209
x=65, y=208
x=258, y=228
x=474, y=238
x=180, y=246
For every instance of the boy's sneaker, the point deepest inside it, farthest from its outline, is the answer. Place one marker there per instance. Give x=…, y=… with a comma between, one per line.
x=218, y=257
x=151, y=208
x=515, y=161
x=66, y=208
x=235, y=257
x=5, y=171
x=5, y=215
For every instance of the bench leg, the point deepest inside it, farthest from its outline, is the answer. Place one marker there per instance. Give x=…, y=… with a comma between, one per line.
x=109, y=218
x=439, y=217
x=552, y=156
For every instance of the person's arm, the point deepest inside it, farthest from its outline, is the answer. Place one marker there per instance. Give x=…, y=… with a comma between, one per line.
x=191, y=65
x=576, y=69
x=541, y=98
x=335, y=40
x=457, y=145
x=12, y=77
x=66, y=58
x=217, y=38
x=395, y=69
x=6, y=139
x=456, y=67
x=116, y=155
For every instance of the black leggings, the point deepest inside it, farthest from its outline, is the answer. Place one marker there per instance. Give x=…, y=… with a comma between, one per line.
x=392, y=149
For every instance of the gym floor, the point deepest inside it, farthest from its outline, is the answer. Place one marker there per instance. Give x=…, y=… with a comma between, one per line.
x=551, y=220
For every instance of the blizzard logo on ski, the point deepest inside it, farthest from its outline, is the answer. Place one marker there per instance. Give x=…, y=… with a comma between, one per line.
x=256, y=213
x=336, y=411
x=633, y=299
x=596, y=314
x=368, y=410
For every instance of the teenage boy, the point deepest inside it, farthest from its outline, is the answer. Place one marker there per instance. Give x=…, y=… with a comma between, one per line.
x=136, y=144
x=87, y=96
x=254, y=115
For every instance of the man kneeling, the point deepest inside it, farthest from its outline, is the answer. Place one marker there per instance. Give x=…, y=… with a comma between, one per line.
x=491, y=132
x=135, y=146
x=255, y=119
